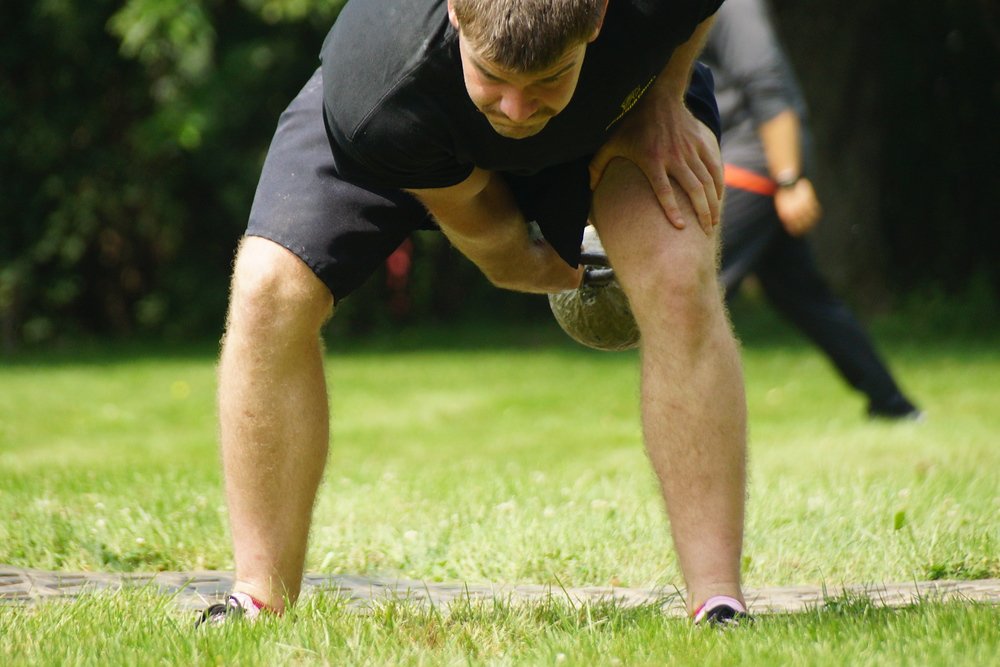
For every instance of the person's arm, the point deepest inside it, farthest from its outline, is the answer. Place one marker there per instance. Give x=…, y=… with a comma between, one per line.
x=480, y=217
x=666, y=141
x=745, y=49
x=795, y=199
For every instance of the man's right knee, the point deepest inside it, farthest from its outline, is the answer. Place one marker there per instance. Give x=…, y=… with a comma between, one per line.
x=272, y=287
x=664, y=270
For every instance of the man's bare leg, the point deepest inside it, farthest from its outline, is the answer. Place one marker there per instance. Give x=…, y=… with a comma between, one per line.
x=693, y=403
x=273, y=415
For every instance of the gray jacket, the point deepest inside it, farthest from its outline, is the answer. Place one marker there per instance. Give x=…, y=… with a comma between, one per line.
x=754, y=81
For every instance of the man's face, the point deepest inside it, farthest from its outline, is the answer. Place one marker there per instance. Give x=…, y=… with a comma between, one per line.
x=519, y=104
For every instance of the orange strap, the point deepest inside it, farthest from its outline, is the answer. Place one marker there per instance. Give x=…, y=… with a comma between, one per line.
x=751, y=181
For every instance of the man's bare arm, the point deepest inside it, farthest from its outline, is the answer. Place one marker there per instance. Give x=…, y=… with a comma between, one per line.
x=796, y=203
x=480, y=217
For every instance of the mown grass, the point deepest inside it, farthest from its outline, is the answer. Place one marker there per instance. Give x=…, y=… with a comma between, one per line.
x=141, y=628
x=507, y=455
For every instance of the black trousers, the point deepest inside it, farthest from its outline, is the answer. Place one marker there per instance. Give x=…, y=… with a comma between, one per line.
x=755, y=242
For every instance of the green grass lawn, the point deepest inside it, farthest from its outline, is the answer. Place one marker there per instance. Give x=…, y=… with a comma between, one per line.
x=510, y=456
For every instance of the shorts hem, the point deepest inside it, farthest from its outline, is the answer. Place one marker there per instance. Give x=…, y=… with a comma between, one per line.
x=300, y=252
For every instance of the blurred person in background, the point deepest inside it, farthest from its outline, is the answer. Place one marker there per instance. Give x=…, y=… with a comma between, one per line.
x=770, y=203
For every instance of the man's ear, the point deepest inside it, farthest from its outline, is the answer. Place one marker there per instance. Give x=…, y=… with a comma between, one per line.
x=453, y=19
x=597, y=29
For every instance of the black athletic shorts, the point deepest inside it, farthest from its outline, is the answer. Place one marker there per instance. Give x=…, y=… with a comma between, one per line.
x=344, y=231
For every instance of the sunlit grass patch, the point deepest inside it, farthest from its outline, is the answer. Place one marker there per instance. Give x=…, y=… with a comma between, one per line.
x=518, y=464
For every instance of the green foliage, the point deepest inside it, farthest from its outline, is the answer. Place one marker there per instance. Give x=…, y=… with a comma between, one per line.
x=171, y=35
x=133, y=142
x=132, y=135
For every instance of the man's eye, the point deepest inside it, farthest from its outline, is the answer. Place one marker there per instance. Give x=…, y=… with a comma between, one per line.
x=552, y=80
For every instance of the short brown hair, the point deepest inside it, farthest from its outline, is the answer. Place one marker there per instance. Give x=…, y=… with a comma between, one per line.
x=526, y=35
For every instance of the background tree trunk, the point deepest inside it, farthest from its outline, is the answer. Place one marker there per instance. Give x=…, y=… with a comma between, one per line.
x=905, y=106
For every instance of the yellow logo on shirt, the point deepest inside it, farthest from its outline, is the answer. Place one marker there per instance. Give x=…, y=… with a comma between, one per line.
x=630, y=101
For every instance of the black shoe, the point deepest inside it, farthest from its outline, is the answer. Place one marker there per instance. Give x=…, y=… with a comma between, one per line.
x=237, y=605
x=896, y=409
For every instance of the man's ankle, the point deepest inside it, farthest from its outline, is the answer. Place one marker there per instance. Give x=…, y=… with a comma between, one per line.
x=698, y=596
x=722, y=611
x=262, y=598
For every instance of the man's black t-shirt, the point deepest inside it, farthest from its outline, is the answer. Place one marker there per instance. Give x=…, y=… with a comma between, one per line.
x=398, y=115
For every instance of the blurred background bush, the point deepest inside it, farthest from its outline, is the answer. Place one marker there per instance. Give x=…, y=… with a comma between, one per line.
x=131, y=137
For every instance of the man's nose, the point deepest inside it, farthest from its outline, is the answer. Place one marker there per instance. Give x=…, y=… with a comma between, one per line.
x=517, y=106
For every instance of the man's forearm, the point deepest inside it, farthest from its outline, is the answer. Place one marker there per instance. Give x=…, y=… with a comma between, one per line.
x=486, y=225
x=674, y=78
x=489, y=229
x=780, y=137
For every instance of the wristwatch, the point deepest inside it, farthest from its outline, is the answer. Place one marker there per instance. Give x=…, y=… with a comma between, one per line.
x=787, y=179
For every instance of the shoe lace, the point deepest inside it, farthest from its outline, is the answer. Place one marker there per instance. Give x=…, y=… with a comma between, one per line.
x=219, y=612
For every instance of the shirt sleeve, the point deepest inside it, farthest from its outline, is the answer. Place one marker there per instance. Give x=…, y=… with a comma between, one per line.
x=747, y=49
x=709, y=8
x=393, y=153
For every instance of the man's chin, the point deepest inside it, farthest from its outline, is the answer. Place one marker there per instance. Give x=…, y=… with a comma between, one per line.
x=518, y=131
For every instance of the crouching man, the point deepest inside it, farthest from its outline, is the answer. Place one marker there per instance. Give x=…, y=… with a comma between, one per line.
x=478, y=116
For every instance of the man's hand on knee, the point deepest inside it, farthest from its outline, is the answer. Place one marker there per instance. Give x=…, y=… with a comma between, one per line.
x=670, y=145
